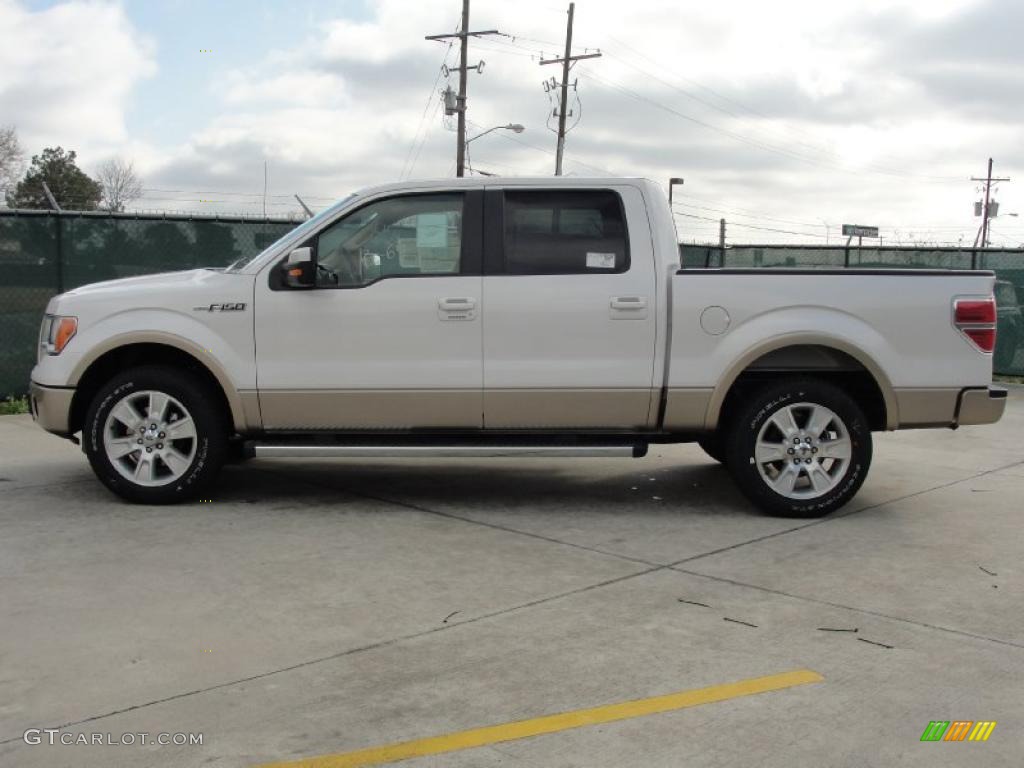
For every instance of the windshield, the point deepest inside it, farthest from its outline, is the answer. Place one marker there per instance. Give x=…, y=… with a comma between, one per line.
x=306, y=226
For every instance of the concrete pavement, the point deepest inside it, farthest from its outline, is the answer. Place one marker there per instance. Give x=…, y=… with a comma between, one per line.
x=318, y=607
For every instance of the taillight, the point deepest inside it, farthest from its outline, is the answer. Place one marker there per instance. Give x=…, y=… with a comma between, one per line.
x=976, y=319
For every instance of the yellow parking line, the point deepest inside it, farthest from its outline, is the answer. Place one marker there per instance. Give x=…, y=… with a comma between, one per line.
x=522, y=729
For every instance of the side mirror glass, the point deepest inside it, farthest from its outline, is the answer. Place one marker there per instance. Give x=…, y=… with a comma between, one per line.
x=298, y=270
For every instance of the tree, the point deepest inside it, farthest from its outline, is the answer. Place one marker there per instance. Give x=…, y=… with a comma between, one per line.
x=12, y=158
x=72, y=188
x=119, y=182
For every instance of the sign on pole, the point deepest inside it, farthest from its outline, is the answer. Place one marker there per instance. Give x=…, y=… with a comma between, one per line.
x=857, y=230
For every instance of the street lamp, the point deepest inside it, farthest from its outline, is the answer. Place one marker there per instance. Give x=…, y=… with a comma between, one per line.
x=671, y=183
x=514, y=127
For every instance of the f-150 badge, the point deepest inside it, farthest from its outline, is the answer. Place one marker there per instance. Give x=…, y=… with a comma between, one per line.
x=225, y=307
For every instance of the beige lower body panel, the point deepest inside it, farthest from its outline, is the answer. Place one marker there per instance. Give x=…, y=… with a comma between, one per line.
x=567, y=408
x=686, y=409
x=927, y=407
x=371, y=409
x=982, y=406
x=51, y=407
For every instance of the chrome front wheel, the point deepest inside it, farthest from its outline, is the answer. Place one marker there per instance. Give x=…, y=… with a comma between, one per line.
x=150, y=438
x=156, y=434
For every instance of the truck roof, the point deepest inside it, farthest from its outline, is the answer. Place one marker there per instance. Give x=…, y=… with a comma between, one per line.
x=476, y=182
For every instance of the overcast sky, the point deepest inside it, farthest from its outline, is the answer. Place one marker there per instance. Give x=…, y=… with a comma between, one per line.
x=795, y=116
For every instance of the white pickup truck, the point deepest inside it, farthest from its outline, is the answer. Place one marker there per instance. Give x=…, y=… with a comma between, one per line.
x=510, y=317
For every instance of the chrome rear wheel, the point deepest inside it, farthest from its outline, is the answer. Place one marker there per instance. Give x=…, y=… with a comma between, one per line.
x=803, y=450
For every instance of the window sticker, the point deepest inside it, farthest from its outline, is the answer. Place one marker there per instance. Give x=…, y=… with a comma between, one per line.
x=600, y=260
x=432, y=230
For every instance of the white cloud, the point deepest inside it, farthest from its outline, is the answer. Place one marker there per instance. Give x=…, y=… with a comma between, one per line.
x=795, y=109
x=66, y=72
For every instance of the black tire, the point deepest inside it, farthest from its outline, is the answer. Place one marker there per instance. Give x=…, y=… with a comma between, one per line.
x=714, y=446
x=847, y=475
x=208, y=446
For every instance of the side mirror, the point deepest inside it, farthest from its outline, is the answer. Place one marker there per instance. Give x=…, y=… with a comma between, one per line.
x=298, y=270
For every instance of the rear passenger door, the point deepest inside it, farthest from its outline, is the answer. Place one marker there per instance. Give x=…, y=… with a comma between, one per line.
x=568, y=309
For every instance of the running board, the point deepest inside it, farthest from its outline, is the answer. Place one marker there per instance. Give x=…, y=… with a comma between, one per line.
x=278, y=451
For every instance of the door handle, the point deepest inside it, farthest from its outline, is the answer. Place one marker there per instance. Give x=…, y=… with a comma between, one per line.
x=629, y=302
x=456, y=303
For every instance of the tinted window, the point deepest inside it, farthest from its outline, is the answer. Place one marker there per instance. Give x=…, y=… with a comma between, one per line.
x=401, y=236
x=571, y=232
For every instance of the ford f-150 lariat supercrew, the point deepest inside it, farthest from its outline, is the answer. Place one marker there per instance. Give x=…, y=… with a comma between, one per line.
x=510, y=317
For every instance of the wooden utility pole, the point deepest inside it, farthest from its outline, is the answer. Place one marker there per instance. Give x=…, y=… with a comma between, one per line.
x=463, y=34
x=721, y=236
x=566, y=61
x=985, y=208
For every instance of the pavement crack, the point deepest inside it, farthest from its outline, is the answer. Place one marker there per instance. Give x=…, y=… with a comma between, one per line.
x=856, y=609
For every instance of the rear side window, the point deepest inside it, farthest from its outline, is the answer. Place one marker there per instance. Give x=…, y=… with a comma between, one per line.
x=565, y=233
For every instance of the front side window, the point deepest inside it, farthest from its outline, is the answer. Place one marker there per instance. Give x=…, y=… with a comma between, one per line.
x=564, y=232
x=397, y=237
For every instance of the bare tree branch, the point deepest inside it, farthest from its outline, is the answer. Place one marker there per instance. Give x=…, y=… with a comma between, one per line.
x=119, y=182
x=12, y=158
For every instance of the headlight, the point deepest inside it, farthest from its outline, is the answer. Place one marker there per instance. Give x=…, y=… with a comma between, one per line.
x=56, y=332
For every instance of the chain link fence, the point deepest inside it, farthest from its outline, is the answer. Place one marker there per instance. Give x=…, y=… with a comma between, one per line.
x=44, y=253
x=1008, y=264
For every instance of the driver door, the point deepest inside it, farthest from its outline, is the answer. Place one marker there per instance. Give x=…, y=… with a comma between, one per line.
x=390, y=336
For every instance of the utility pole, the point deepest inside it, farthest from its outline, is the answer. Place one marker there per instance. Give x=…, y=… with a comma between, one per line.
x=463, y=34
x=721, y=235
x=566, y=61
x=985, y=208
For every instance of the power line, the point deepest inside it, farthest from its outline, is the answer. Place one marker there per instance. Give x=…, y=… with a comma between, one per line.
x=426, y=108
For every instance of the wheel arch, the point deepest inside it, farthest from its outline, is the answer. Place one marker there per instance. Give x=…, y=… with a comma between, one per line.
x=151, y=348
x=809, y=354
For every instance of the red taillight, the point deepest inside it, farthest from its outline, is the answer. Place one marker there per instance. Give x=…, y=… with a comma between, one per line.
x=973, y=312
x=976, y=319
x=985, y=338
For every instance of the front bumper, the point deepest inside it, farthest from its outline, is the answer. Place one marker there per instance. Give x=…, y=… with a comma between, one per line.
x=51, y=407
x=980, y=406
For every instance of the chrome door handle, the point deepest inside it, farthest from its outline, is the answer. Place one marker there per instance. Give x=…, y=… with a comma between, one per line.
x=629, y=302
x=456, y=303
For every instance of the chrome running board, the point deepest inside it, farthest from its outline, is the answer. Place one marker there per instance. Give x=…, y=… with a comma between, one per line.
x=291, y=451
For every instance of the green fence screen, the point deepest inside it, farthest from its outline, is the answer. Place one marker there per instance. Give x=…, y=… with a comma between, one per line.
x=44, y=253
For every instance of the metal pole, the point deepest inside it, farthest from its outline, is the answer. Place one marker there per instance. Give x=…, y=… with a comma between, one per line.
x=984, y=212
x=60, y=250
x=304, y=207
x=50, y=198
x=460, y=152
x=565, y=92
